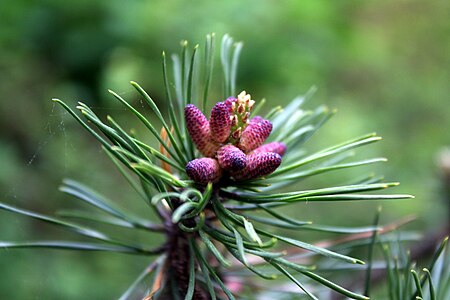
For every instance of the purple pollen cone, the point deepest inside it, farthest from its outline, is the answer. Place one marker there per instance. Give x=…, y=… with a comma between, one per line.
x=220, y=122
x=275, y=147
x=198, y=127
x=204, y=170
x=231, y=142
x=231, y=158
x=259, y=164
x=254, y=135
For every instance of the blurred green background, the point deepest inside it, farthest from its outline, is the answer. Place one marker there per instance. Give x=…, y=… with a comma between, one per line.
x=383, y=64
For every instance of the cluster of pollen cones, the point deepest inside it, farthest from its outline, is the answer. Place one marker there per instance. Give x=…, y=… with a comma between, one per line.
x=231, y=142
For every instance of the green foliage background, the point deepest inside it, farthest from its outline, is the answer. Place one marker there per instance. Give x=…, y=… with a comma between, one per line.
x=383, y=64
